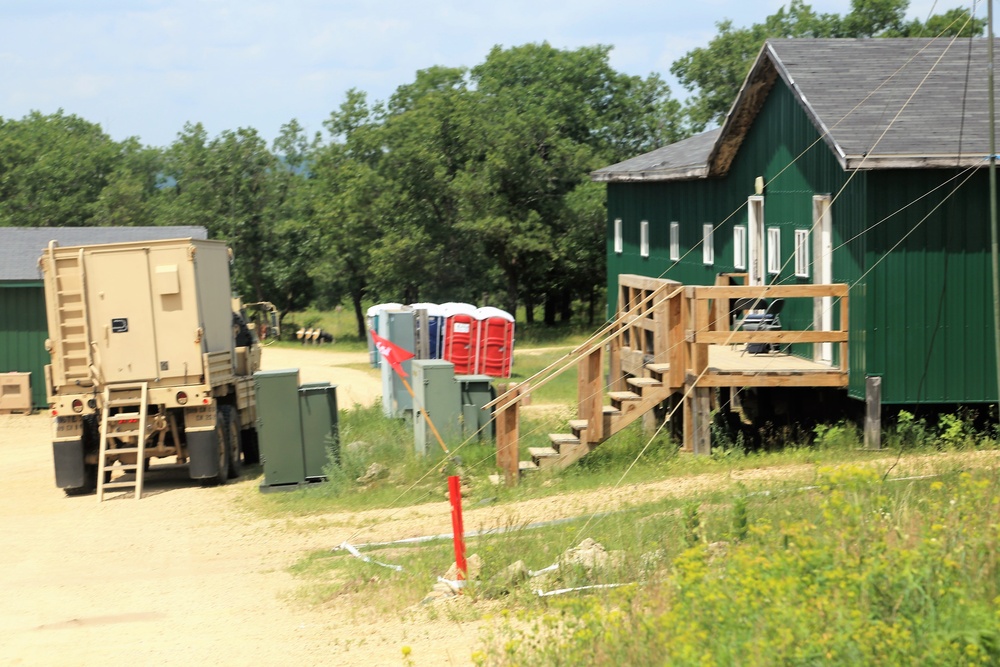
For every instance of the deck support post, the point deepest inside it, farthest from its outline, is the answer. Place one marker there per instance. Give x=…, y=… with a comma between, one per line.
x=873, y=412
x=507, y=420
x=697, y=418
x=590, y=394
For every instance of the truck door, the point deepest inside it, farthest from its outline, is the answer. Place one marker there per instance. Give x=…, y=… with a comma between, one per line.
x=121, y=315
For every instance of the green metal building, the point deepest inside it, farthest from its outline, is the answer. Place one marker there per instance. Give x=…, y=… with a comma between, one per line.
x=850, y=161
x=23, y=327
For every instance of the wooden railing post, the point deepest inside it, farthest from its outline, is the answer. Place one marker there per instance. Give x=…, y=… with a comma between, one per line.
x=700, y=326
x=678, y=344
x=590, y=394
x=507, y=421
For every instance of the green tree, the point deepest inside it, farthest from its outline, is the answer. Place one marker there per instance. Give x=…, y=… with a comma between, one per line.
x=543, y=118
x=63, y=171
x=347, y=212
x=226, y=185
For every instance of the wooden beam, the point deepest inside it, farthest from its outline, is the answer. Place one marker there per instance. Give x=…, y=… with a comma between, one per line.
x=774, y=379
x=507, y=420
x=769, y=291
x=590, y=397
x=644, y=282
x=769, y=336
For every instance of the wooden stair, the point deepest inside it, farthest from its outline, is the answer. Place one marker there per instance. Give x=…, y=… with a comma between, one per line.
x=127, y=423
x=644, y=394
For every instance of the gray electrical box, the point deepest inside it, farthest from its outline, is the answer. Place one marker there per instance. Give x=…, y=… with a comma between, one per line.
x=318, y=414
x=435, y=389
x=476, y=391
x=397, y=326
x=279, y=428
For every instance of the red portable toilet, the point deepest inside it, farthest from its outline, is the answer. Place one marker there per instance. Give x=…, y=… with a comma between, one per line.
x=461, y=329
x=496, y=342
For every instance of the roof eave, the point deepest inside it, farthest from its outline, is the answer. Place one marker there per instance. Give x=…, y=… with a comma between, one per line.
x=863, y=162
x=677, y=174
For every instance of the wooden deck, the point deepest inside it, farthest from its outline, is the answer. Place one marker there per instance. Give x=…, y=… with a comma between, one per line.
x=729, y=366
x=673, y=342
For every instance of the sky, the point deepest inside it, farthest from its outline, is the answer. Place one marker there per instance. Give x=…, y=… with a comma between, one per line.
x=146, y=67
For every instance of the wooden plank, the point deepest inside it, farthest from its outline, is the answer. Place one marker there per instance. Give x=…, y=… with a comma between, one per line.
x=701, y=421
x=591, y=392
x=772, y=336
x=507, y=420
x=844, y=322
x=632, y=362
x=769, y=291
x=765, y=379
x=644, y=282
x=678, y=351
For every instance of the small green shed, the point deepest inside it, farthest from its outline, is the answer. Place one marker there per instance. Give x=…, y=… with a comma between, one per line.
x=23, y=327
x=850, y=161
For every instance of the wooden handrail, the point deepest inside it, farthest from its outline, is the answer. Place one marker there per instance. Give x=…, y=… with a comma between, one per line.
x=585, y=347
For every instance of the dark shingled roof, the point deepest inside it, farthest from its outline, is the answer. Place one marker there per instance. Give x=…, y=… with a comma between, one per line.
x=20, y=247
x=880, y=104
x=685, y=159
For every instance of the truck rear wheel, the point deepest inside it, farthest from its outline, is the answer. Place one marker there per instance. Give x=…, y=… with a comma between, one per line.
x=232, y=416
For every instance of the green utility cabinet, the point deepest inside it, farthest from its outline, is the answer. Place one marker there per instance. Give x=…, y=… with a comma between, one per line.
x=318, y=413
x=476, y=391
x=435, y=389
x=398, y=327
x=279, y=427
x=294, y=425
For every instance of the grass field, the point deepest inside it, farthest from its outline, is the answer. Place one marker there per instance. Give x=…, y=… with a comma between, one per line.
x=852, y=557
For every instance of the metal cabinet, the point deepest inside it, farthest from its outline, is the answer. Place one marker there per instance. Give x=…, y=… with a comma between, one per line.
x=295, y=426
x=476, y=391
x=320, y=437
x=279, y=427
x=435, y=389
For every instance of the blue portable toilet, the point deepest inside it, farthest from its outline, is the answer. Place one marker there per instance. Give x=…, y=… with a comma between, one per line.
x=435, y=328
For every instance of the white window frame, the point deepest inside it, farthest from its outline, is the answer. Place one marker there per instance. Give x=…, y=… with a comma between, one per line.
x=675, y=241
x=619, y=243
x=644, y=238
x=708, y=244
x=774, y=250
x=740, y=247
x=802, y=253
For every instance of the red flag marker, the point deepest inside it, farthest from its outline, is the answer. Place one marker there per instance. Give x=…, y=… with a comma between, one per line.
x=393, y=354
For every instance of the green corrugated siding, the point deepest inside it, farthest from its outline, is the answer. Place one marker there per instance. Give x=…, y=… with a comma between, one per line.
x=781, y=133
x=931, y=301
x=23, y=331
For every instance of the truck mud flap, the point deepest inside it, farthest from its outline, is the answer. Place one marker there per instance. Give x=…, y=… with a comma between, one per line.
x=203, y=454
x=68, y=458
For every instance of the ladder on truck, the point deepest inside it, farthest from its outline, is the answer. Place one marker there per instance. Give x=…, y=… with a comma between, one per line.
x=129, y=421
x=68, y=293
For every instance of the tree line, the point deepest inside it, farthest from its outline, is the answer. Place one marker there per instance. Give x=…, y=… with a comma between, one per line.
x=466, y=184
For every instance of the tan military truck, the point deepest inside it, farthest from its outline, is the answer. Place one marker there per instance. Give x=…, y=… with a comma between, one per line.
x=148, y=361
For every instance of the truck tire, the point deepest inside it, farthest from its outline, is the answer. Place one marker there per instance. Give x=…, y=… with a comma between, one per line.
x=222, y=451
x=232, y=417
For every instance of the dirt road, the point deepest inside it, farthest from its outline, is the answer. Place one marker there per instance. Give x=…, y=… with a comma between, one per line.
x=183, y=576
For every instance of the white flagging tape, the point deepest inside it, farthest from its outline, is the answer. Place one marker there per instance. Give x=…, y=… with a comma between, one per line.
x=550, y=568
x=453, y=585
x=562, y=591
x=357, y=554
